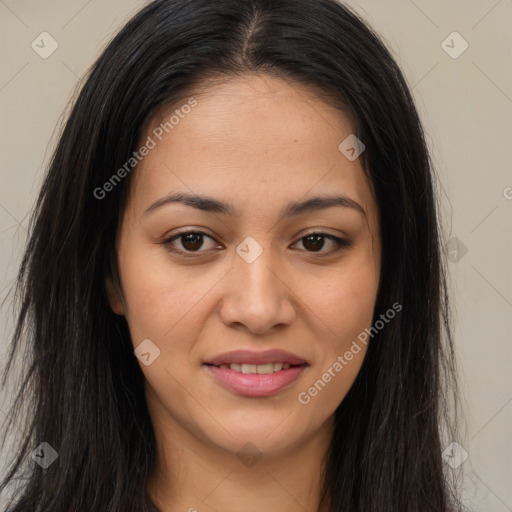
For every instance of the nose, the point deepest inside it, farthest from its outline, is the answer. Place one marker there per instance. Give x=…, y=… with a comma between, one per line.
x=258, y=296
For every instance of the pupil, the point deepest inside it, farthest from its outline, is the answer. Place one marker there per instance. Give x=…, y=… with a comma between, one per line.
x=192, y=238
x=315, y=240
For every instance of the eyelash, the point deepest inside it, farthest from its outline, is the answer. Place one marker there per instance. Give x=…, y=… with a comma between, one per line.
x=340, y=243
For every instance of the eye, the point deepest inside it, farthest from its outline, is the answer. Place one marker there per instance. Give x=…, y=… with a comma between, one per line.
x=315, y=242
x=192, y=241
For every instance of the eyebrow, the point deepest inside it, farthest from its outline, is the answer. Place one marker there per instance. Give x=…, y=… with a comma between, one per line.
x=294, y=208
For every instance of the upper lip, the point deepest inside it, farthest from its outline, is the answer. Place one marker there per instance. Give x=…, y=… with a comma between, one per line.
x=252, y=357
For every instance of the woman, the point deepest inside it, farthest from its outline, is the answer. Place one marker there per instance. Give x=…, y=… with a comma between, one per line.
x=233, y=294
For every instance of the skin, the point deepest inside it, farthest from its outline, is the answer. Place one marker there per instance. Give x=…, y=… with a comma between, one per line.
x=256, y=142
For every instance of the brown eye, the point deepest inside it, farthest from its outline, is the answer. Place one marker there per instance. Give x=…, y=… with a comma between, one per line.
x=314, y=242
x=190, y=241
x=193, y=241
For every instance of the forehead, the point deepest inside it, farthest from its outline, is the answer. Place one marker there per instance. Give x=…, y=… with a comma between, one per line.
x=249, y=137
x=260, y=109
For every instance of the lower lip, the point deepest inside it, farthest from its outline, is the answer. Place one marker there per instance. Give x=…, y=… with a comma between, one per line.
x=254, y=384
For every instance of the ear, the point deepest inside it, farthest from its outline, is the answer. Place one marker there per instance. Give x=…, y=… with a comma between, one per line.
x=114, y=298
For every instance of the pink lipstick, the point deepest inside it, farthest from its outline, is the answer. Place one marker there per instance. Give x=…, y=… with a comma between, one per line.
x=256, y=374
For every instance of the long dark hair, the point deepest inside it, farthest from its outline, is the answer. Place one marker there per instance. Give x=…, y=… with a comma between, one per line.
x=82, y=387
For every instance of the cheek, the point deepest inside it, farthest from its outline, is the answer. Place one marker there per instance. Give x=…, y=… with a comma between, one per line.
x=159, y=299
x=357, y=301
x=343, y=306
x=342, y=300
x=339, y=354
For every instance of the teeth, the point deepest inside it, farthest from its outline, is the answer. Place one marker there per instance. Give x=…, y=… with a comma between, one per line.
x=260, y=369
x=265, y=368
x=249, y=368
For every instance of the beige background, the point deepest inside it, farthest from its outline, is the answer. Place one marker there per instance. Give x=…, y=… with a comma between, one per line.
x=466, y=106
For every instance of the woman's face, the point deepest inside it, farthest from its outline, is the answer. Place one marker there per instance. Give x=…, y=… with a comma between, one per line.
x=250, y=279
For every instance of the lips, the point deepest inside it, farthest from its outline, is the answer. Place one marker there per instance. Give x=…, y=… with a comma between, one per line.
x=256, y=374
